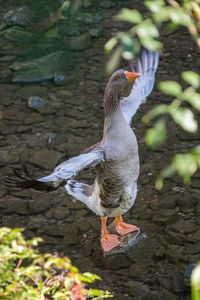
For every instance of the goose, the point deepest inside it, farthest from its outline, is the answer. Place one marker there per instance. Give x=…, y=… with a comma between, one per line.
x=115, y=158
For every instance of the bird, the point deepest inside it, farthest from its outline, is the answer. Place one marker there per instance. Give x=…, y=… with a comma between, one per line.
x=115, y=158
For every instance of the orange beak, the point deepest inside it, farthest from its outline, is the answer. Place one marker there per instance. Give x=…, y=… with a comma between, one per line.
x=131, y=76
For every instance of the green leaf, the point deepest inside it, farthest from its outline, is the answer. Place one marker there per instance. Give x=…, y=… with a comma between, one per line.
x=156, y=136
x=195, y=101
x=154, y=5
x=110, y=45
x=158, y=110
x=185, y=118
x=129, y=15
x=192, y=78
x=185, y=165
x=170, y=88
x=114, y=60
x=130, y=47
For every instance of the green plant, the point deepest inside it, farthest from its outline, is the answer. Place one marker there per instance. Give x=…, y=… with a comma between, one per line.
x=27, y=274
x=195, y=283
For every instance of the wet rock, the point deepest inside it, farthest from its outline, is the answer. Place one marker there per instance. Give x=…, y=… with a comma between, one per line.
x=107, y=4
x=71, y=239
x=183, y=226
x=14, y=205
x=80, y=43
x=61, y=212
x=116, y=262
x=19, y=36
x=188, y=273
x=60, y=230
x=96, y=32
x=38, y=205
x=18, y=16
x=36, y=102
x=46, y=159
x=13, y=220
x=40, y=69
x=94, y=222
x=35, y=222
x=186, y=203
x=90, y=19
x=196, y=235
x=138, y=289
x=163, y=215
x=8, y=158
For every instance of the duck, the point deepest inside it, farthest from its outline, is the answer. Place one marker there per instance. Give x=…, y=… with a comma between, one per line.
x=115, y=158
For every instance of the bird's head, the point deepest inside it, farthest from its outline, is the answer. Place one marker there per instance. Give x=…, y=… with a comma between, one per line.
x=121, y=82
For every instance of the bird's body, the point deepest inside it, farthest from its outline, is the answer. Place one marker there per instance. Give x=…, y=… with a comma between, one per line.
x=115, y=158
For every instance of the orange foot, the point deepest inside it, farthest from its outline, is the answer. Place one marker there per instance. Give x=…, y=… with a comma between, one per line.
x=123, y=228
x=109, y=241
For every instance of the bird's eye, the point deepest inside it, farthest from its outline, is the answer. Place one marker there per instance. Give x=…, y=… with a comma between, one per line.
x=119, y=76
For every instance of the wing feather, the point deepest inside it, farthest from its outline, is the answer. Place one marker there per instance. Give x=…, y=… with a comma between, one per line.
x=146, y=65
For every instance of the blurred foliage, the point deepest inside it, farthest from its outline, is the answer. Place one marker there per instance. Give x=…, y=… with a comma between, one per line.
x=195, y=283
x=145, y=32
x=26, y=274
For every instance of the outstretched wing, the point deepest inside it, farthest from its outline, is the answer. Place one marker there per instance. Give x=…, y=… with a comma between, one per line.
x=146, y=64
x=62, y=172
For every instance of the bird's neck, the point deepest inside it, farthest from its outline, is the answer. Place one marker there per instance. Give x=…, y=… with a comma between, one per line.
x=111, y=101
x=114, y=119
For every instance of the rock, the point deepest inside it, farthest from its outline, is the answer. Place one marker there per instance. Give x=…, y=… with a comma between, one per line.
x=8, y=157
x=36, y=221
x=19, y=36
x=138, y=289
x=13, y=220
x=14, y=205
x=71, y=238
x=40, y=69
x=38, y=204
x=46, y=159
x=196, y=235
x=107, y=4
x=96, y=32
x=80, y=43
x=36, y=102
x=19, y=16
x=188, y=273
x=116, y=262
x=61, y=213
x=90, y=19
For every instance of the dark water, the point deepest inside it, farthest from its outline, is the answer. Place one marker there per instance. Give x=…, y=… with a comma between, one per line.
x=53, y=110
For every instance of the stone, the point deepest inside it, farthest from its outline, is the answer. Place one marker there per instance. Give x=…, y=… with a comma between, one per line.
x=39, y=204
x=116, y=262
x=45, y=158
x=138, y=289
x=196, y=235
x=71, y=239
x=80, y=43
x=96, y=32
x=36, y=102
x=18, y=16
x=19, y=36
x=14, y=205
x=8, y=158
x=61, y=212
x=35, y=222
x=40, y=69
x=107, y=4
